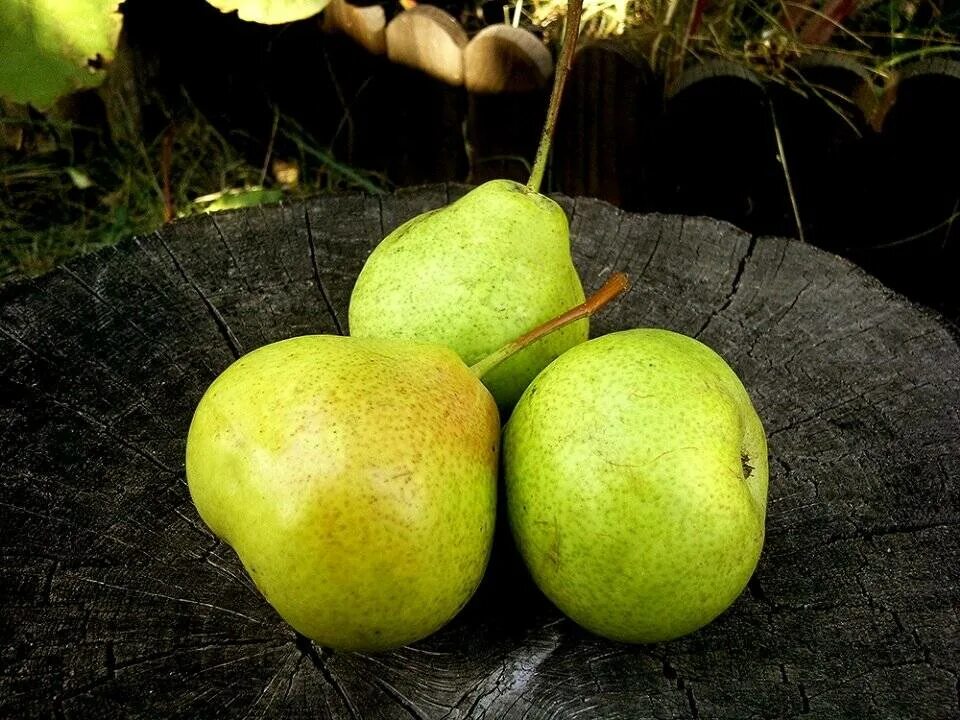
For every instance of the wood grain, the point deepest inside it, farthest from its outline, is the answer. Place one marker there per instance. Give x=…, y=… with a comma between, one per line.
x=117, y=602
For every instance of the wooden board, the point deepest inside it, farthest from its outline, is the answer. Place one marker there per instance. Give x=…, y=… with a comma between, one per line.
x=116, y=602
x=607, y=131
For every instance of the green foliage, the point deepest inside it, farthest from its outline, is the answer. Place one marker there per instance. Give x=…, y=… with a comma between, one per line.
x=233, y=198
x=766, y=35
x=66, y=189
x=51, y=47
x=271, y=12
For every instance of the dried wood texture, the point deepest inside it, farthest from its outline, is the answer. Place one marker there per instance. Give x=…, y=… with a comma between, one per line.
x=914, y=208
x=608, y=126
x=822, y=130
x=718, y=153
x=117, y=602
x=502, y=132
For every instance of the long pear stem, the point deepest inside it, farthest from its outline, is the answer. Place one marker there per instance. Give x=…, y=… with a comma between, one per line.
x=614, y=286
x=564, y=61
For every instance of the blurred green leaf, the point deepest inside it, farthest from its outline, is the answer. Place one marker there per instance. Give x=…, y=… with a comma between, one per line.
x=79, y=178
x=271, y=12
x=237, y=198
x=49, y=48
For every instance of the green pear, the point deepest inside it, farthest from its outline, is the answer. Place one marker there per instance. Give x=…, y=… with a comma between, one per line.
x=636, y=484
x=480, y=271
x=473, y=275
x=355, y=479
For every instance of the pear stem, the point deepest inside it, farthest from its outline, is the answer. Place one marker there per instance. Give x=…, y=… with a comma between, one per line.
x=614, y=286
x=564, y=61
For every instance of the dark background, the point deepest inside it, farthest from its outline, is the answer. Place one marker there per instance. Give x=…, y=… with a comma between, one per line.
x=880, y=187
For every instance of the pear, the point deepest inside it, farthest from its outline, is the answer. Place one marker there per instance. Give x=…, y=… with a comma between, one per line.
x=486, y=268
x=636, y=484
x=356, y=479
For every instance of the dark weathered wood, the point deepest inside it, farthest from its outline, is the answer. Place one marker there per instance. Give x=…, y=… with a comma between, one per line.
x=915, y=207
x=822, y=131
x=117, y=602
x=717, y=152
x=607, y=126
x=502, y=133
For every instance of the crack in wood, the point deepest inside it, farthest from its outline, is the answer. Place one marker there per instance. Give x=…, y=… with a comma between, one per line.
x=692, y=703
x=616, y=265
x=510, y=678
x=48, y=580
x=95, y=364
x=293, y=676
x=174, y=598
x=102, y=428
x=223, y=240
x=206, y=647
x=54, y=520
x=846, y=337
x=668, y=671
x=298, y=658
x=818, y=413
x=316, y=274
x=402, y=700
x=734, y=287
x=804, y=700
x=758, y=593
x=130, y=322
x=383, y=229
x=241, y=579
x=675, y=680
x=793, y=303
x=16, y=340
x=112, y=433
x=236, y=349
x=309, y=650
x=653, y=250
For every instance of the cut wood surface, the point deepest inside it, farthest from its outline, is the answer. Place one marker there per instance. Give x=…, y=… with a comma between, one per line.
x=502, y=58
x=365, y=25
x=428, y=39
x=116, y=602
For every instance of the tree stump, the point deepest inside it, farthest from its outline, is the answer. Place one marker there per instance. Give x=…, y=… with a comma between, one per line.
x=117, y=602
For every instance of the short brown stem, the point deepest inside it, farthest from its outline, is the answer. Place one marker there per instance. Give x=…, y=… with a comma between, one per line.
x=614, y=286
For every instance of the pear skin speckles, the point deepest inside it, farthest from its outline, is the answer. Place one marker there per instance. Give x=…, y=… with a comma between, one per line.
x=356, y=480
x=626, y=488
x=472, y=276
